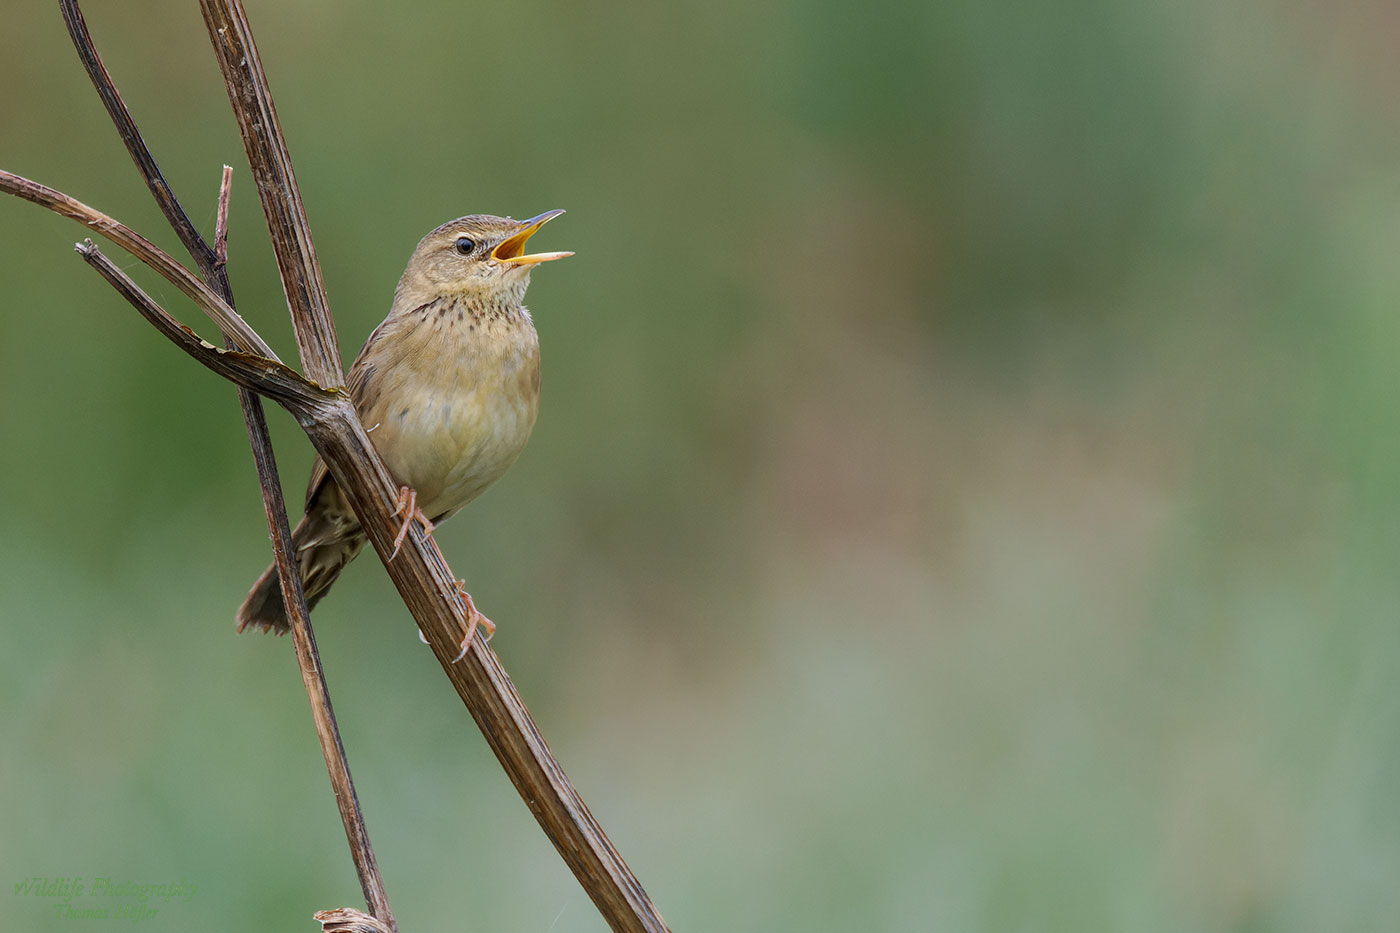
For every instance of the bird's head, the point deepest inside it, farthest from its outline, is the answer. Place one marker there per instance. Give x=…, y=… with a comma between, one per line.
x=475, y=256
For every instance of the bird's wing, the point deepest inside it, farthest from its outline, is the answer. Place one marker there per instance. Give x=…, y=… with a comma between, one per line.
x=362, y=393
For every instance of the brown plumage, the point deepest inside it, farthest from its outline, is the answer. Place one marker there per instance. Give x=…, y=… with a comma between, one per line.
x=448, y=388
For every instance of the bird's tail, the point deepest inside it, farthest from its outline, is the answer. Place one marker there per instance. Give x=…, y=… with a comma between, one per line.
x=320, y=558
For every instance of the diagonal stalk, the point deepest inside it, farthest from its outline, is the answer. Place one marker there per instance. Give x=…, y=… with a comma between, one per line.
x=213, y=262
x=419, y=572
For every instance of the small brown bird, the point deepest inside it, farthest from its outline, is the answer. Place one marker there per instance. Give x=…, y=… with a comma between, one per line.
x=447, y=387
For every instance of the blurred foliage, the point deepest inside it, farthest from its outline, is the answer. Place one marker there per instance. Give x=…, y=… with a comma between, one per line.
x=964, y=495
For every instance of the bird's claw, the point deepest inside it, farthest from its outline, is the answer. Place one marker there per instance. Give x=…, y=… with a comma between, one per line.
x=407, y=506
x=474, y=618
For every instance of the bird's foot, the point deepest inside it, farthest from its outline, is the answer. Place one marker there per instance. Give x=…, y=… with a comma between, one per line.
x=407, y=506
x=474, y=618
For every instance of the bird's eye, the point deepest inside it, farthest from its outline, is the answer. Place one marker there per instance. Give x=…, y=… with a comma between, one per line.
x=465, y=245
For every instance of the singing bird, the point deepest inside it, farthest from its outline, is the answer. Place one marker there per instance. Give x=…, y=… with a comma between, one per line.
x=447, y=387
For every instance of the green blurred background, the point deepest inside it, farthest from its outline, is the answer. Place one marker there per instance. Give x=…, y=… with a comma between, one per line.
x=963, y=497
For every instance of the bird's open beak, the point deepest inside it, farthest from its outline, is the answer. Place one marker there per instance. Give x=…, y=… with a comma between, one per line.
x=511, y=249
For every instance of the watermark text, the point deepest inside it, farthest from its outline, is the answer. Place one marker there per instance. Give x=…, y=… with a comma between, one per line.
x=103, y=897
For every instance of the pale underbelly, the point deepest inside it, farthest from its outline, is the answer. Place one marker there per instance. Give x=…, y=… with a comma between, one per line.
x=451, y=446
